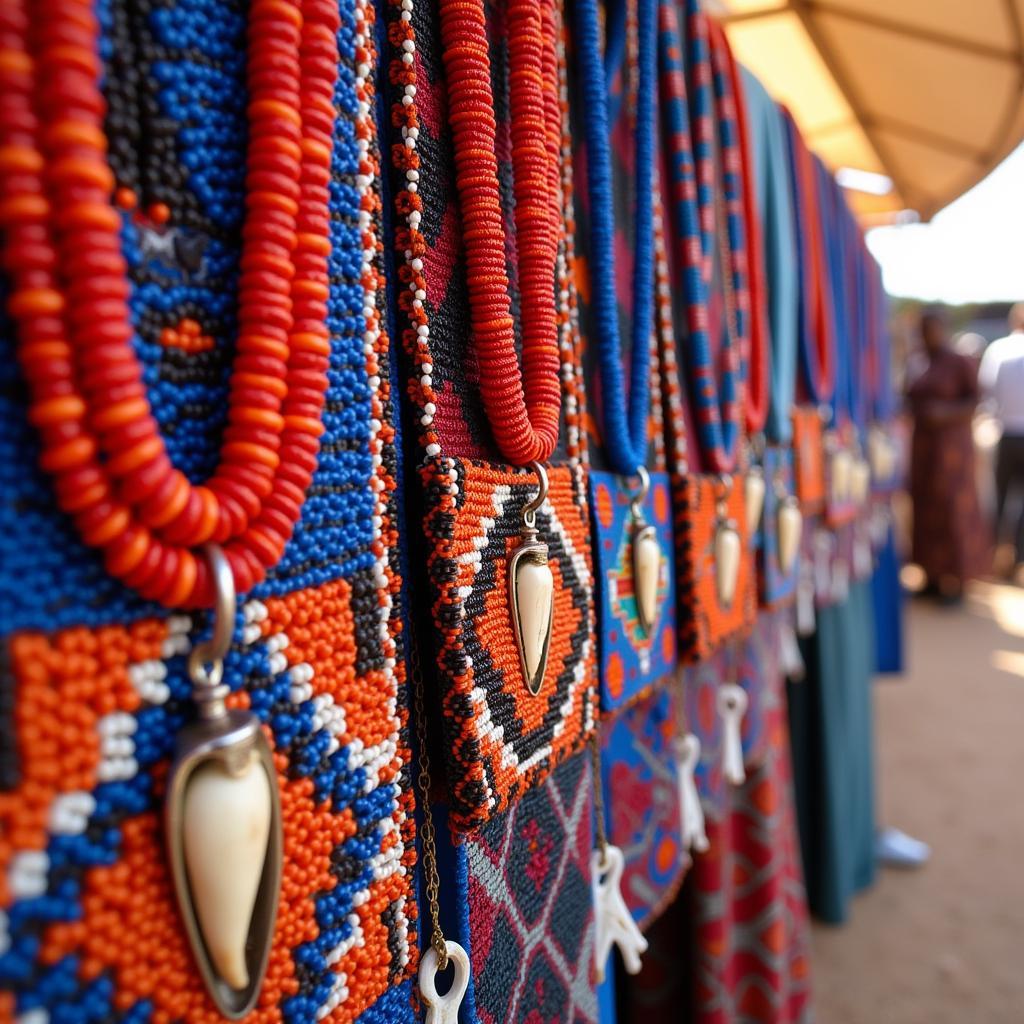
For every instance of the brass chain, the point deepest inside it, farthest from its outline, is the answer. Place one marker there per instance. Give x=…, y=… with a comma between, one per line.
x=428, y=836
x=602, y=835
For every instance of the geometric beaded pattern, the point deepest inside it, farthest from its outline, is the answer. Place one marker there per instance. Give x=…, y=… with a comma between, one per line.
x=499, y=738
x=809, y=459
x=92, y=679
x=777, y=586
x=704, y=622
x=529, y=905
x=641, y=785
x=632, y=659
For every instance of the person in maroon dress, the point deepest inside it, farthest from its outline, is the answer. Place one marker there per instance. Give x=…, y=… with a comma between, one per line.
x=949, y=541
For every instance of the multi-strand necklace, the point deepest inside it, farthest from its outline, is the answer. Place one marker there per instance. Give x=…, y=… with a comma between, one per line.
x=183, y=545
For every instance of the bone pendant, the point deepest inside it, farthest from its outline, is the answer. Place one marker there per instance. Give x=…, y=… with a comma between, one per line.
x=842, y=465
x=646, y=575
x=790, y=525
x=613, y=923
x=694, y=835
x=860, y=480
x=226, y=822
x=732, y=704
x=444, y=1009
x=753, y=490
x=727, y=562
x=534, y=596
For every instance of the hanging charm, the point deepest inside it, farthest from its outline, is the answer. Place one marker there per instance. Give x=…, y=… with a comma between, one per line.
x=647, y=559
x=614, y=924
x=444, y=1009
x=754, y=484
x=732, y=705
x=789, y=526
x=841, y=462
x=792, y=661
x=727, y=548
x=223, y=823
x=531, y=587
x=860, y=479
x=695, y=836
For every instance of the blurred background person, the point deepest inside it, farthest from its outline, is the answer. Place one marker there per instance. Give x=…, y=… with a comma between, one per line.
x=1002, y=382
x=942, y=395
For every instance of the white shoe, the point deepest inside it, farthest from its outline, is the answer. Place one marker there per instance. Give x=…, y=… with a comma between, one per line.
x=895, y=849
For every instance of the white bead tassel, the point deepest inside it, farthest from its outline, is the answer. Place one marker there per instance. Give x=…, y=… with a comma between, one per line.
x=694, y=834
x=732, y=703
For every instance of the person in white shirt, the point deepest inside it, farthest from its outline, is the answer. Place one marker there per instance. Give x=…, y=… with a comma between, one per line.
x=1002, y=381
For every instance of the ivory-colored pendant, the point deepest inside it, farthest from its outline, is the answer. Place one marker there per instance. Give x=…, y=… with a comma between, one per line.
x=646, y=575
x=226, y=821
x=753, y=492
x=882, y=455
x=790, y=526
x=694, y=833
x=613, y=923
x=732, y=705
x=444, y=1009
x=727, y=561
x=860, y=480
x=532, y=594
x=842, y=465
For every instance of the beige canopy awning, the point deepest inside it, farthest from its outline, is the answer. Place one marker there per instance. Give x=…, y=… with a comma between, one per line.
x=927, y=93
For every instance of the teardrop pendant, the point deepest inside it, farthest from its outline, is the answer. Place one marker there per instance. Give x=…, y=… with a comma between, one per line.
x=531, y=587
x=223, y=825
x=790, y=527
x=647, y=559
x=754, y=493
x=860, y=480
x=727, y=561
x=842, y=467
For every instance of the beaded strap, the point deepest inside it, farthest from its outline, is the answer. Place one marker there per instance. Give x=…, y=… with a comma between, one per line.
x=718, y=404
x=70, y=294
x=830, y=202
x=816, y=339
x=759, y=354
x=523, y=406
x=625, y=430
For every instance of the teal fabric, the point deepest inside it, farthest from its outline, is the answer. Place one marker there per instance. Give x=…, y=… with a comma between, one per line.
x=833, y=756
x=775, y=206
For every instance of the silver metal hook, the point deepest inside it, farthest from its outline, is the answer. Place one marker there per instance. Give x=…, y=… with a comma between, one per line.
x=532, y=506
x=225, y=604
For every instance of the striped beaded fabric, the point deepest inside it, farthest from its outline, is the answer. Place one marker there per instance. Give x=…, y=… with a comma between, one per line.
x=93, y=683
x=498, y=739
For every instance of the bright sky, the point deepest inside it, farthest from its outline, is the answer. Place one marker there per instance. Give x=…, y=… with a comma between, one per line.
x=971, y=252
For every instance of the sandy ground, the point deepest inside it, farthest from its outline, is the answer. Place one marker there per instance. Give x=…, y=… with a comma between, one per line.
x=946, y=943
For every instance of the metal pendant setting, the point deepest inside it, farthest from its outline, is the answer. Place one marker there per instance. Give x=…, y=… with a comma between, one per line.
x=223, y=825
x=647, y=559
x=727, y=548
x=531, y=592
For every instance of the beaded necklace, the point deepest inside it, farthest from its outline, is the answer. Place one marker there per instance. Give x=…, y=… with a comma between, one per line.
x=182, y=545
x=816, y=340
x=523, y=406
x=70, y=294
x=625, y=429
x=760, y=382
x=718, y=404
x=830, y=202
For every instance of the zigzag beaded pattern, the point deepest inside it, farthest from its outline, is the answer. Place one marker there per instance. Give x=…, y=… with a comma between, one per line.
x=500, y=739
x=87, y=927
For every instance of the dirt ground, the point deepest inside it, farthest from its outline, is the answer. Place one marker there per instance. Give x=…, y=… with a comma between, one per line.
x=944, y=945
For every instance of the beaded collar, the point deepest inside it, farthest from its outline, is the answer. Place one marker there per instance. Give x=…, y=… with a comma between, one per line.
x=625, y=429
x=100, y=440
x=523, y=406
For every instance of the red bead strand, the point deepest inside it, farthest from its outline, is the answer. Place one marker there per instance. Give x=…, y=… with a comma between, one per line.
x=523, y=407
x=69, y=299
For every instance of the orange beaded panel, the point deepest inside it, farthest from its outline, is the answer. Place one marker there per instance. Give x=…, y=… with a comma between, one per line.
x=704, y=622
x=500, y=739
x=809, y=459
x=95, y=719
